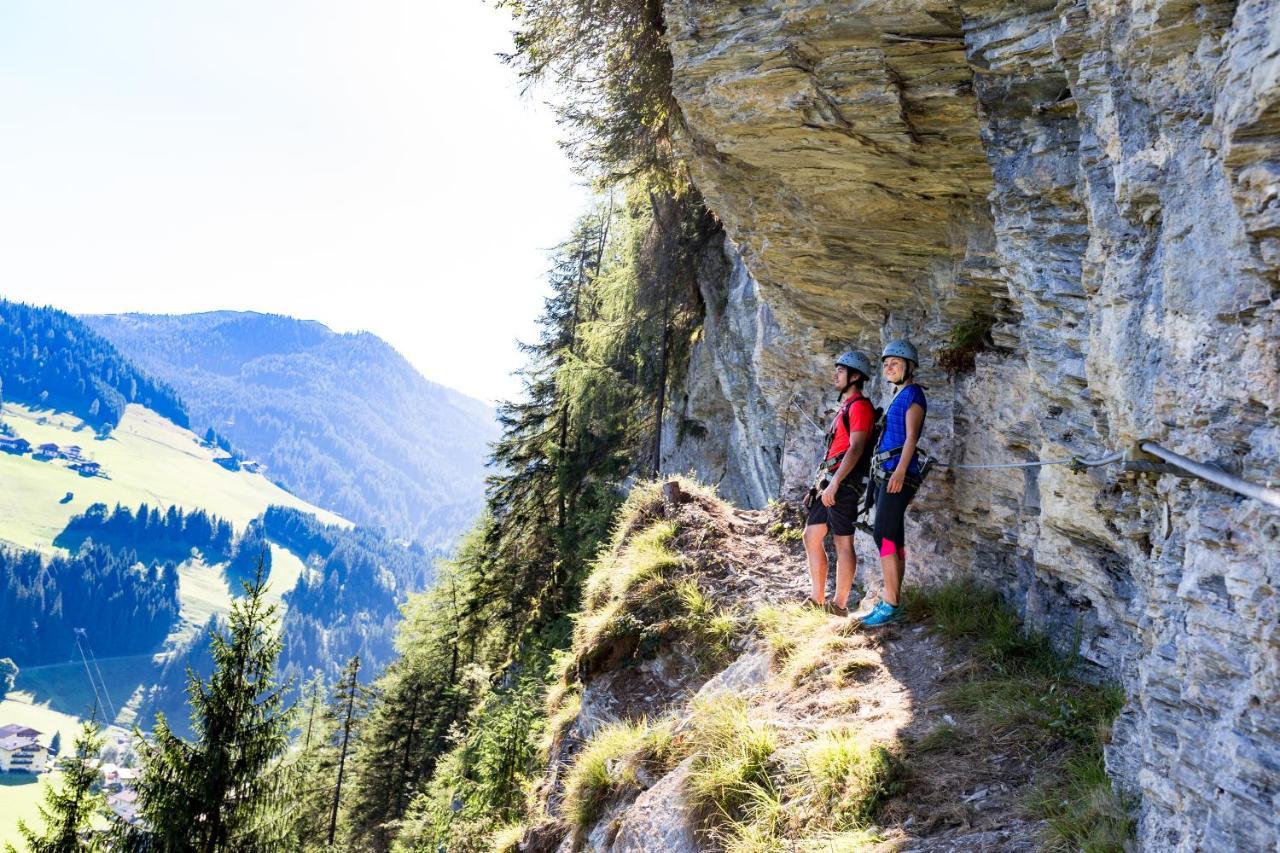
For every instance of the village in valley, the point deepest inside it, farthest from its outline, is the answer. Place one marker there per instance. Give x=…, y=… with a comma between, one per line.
x=23, y=750
x=72, y=456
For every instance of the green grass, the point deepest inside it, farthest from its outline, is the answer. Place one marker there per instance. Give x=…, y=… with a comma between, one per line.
x=786, y=628
x=804, y=645
x=149, y=460
x=641, y=594
x=20, y=794
x=733, y=753
x=759, y=793
x=608, y=764
x=850, y=777
x=506, y=839
x=1024, y=693
x=1083, y=810
x=203, y=591
x=561, y=710
x=786, y=533
x=966, y=340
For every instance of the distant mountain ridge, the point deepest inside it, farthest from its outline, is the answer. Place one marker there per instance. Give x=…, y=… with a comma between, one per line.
x=342, y=420
x=49, y=358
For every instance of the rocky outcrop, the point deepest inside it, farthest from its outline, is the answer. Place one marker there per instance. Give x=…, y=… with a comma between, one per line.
x=1100, y=184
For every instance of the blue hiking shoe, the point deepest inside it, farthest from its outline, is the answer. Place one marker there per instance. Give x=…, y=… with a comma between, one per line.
x=879, y=605
x=882, y=615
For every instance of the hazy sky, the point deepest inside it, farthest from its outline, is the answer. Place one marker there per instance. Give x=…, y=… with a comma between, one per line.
x=367, y=164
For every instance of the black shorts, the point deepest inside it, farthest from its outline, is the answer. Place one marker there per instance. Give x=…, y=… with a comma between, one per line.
x=839, y=516
x=891, y=514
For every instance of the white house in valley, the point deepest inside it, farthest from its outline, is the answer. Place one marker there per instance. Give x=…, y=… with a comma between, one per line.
x=21, y=750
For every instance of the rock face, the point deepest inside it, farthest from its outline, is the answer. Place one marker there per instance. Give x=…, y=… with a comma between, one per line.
x=1100, y=184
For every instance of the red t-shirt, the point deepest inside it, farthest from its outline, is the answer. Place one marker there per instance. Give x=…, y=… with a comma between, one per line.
x=860, y=417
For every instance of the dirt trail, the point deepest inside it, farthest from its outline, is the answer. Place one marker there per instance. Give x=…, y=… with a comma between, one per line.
x=956, y=785
x=886, y=684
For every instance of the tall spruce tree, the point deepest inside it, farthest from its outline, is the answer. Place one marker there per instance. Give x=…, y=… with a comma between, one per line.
x=310, y=768
x=68, y=809
x=347, y=710
x=228, y=788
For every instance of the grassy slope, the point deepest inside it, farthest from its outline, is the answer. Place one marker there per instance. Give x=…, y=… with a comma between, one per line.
x=19, y=795
x=149, y=460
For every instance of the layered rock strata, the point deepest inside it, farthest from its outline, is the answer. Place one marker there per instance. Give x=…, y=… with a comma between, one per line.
x=1099, y=183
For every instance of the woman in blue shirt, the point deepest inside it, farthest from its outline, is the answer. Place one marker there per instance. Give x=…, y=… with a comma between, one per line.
x=898, y=475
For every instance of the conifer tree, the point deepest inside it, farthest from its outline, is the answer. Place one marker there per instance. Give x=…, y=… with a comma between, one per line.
x=311, y=775
x=68, y=810
x=392, y=757
x=227, y=789
x=347, y=711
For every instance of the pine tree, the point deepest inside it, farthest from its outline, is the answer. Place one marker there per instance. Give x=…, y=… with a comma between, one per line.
x=67, y=811
x=228, y=789
x=312, y=769
x=350, y=704
x=392, y=758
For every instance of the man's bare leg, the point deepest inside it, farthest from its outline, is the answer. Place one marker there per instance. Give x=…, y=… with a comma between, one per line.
x=846, y=567
x=817, y=557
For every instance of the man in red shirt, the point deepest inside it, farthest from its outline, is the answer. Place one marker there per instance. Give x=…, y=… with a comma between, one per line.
x=835, y=498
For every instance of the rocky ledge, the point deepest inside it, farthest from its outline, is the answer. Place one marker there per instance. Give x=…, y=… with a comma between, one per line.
x=1091, y=193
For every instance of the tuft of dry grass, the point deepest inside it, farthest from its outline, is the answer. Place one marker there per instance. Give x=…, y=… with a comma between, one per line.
x=643, y=594
x=506, y=839
x=608, y=766
x=732, y=754
x=850, y=778
x=806, y=643
x=853, y=669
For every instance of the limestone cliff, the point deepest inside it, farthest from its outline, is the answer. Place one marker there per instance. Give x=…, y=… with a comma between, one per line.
x=1100, y=182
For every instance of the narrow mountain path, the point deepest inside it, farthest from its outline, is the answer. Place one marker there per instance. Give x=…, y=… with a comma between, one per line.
x=889, y=685
x=944, y=727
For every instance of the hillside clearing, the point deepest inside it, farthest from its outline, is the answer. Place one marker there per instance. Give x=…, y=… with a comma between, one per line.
x=148, y=460
x=20, y=794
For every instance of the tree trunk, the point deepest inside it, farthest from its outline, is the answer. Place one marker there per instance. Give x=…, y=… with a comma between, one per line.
x=342, y=756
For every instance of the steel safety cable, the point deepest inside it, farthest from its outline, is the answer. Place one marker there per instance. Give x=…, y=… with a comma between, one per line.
x=1208, y=473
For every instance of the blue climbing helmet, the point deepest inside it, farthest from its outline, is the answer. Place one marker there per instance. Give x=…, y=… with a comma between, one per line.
x=901, y=349
x=855, y=361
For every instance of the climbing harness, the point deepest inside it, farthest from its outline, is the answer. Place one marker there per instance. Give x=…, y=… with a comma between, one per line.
x=829, y=465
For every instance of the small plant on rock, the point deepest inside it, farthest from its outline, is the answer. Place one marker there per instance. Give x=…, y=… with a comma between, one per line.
x=966, y=341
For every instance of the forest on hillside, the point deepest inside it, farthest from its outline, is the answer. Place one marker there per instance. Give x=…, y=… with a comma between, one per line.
x=48, y=358
x=341, y=420
x=441, y=749
x=431, y=741
x=98, y=589
x=346, y=604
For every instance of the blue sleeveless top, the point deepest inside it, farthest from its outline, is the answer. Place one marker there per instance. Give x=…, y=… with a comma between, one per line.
x=895, y=426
